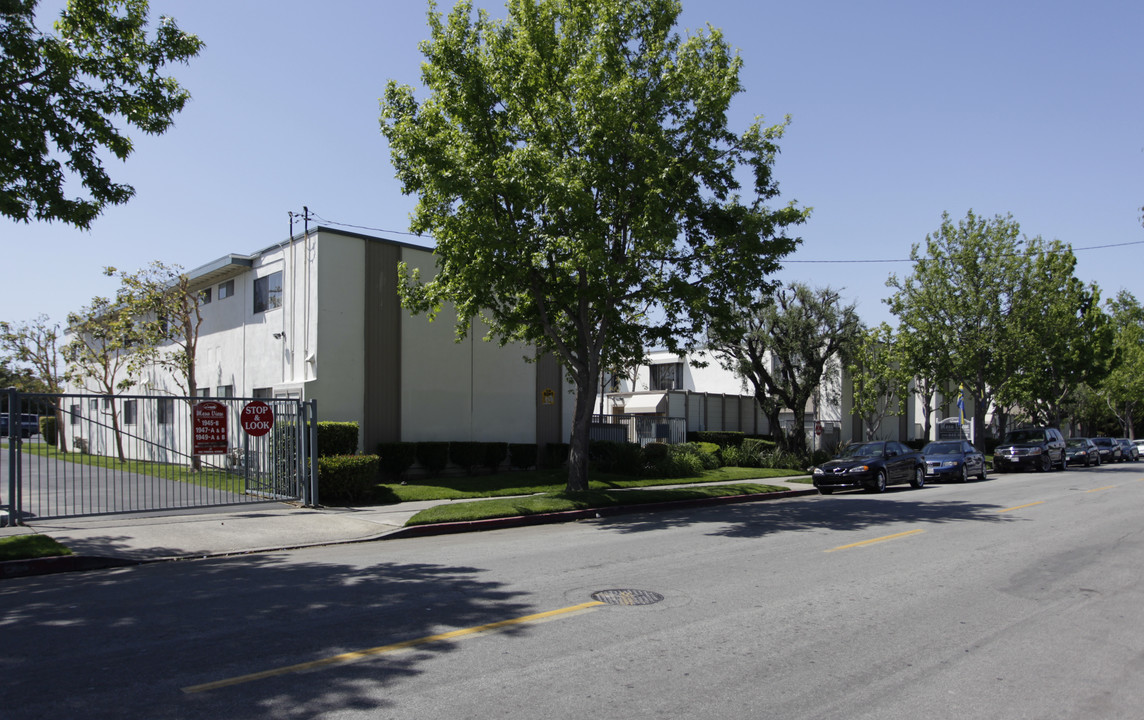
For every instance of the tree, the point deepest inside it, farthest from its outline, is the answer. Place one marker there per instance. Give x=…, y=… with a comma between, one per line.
x=61, y=96
x=786, y=349
x=1123, y=388
x=35, y=344
x=1066, y=339
x=100, y=351
x=575, y=166
x=879, y=374
x=959, y=301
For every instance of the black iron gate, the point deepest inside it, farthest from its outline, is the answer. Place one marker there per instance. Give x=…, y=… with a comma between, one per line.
x=140, y=453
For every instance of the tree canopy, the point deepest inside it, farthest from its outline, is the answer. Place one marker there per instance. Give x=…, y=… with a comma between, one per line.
x=789, y=349
x=575, y=166
x=61, y=96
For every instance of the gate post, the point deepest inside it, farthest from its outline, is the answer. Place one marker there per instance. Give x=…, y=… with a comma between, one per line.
x=312, y=486
x=14, y=440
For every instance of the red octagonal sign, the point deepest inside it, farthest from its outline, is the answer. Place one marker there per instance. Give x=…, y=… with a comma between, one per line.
x=257, y=418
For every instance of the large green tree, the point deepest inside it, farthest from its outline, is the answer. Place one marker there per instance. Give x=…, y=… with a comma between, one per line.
x=960, y=301
x=1123, y=389
x=880, y=377
x=575, y=166
x=62, y=96
x=787, y=349
x=35, y=344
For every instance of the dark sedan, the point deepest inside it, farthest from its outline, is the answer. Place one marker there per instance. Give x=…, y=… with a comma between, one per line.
x=1109, y=449
x=1082, y=451
x=953, y=460
x=1128, y=450
x=873, y=466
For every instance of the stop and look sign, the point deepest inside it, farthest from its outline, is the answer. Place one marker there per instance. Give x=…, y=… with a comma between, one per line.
x=257, y=418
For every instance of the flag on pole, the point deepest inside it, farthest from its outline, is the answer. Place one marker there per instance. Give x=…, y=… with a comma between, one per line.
x=961, y=403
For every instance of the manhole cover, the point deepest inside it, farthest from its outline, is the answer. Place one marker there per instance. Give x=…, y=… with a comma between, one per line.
x=627, y=597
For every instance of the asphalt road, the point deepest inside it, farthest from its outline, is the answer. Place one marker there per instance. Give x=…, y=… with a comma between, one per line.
x=1018, y=597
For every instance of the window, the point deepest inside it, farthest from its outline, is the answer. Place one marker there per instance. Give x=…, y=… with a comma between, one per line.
x=165, y=411
x=205, y=296
x=74, y=413
x=268, y=292
x=130, y=411
x=226, y=289
x=224, y=391
x=263, y=392
x=668, y=376
x=93, y=404
x=203, y=392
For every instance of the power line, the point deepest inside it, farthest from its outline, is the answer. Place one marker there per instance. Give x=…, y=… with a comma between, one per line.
x=785, y=262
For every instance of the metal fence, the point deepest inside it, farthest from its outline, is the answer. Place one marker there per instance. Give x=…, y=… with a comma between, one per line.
x=638, y=429
x=141, y=453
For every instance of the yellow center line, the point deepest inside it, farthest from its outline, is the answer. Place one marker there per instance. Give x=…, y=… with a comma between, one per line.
x=1106, y=487
x=875, y=540
x=373, y=652
x=1039, y=502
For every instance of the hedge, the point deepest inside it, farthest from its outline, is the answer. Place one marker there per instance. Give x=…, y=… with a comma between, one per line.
x=495, y=454
x=347, y=478
x=555, y=455
x=337, y=438
x=522, y=455
x=719, y=437
x=396, y=458
x=466, y=455
x=433, y=456
x=48, y=429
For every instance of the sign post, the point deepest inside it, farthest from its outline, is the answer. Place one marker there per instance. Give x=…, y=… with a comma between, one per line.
x=210, y=436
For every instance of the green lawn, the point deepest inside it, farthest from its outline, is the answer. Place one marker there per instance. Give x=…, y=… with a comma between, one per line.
x=26, y=547
x=592, y=499
x=534, y=482
x=216, y=478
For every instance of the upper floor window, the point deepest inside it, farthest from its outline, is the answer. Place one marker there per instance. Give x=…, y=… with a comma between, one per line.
x=205, y=296
x=268, y=292
x=165, y=411
x=226, y=289
x=668, y=376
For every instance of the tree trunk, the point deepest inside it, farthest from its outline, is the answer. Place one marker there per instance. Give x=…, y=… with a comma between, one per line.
x=581, y=425
x=118, y=436
x=979, y=408
x=61, y=437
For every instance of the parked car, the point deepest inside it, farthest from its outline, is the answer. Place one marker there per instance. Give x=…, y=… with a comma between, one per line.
x=1039, y=449
x=1110, y=450
x=1082, y=451
x=953, y=460
x=871, y=465
x=1128, y=450
x=28, y=425
x=1139, y=447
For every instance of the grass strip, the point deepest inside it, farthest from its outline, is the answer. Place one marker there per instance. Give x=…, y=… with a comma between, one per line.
x=553, y=481
x=211, y=477
x=590, y=500
x=27, y=547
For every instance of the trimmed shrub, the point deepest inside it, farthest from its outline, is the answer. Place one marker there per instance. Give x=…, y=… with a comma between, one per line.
x=706, y=453
x=48, y=429
x=396, y=458
x=721, y=438
x=522, y=455
x=554, y=455
x=655, y=458
x=433, y=456
x=758, y=446
x=495, y=454
x=347, y=478
x=466, y=455
x=622, y=458
x=337, y=438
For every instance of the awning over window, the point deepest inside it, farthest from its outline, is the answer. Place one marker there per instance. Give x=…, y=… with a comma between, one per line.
x=645, y=404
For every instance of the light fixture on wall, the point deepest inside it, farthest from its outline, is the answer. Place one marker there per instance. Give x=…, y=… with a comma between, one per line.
x=279, y=336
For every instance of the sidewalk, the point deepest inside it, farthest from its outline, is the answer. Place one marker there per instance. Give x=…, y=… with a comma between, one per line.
x=117, y=540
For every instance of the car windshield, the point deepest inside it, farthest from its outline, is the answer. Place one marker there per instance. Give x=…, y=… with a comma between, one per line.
x=1024, y=436
x=863, y=450
x=939, y=448
x=1075, y=442
x=1107, y=442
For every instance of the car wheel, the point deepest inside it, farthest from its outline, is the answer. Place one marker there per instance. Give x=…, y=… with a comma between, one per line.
x=825, y=491
x=1064, y=463
x=981, y=475
x=879, y=485
x=964, y=474
x=919, y=480
x=1046, y=464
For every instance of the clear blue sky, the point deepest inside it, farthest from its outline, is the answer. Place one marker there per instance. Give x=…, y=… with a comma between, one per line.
x=901, y=110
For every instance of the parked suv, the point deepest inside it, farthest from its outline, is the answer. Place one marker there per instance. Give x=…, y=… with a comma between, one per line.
x=27, y=425
x=1039, y=449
